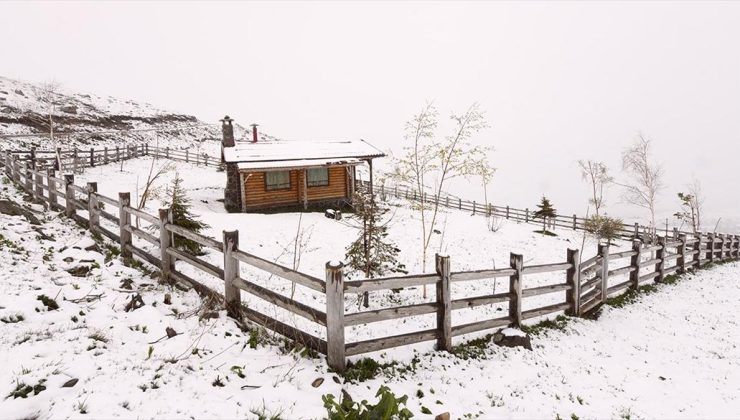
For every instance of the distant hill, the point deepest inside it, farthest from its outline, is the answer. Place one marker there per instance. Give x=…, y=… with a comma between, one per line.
x=25, y=108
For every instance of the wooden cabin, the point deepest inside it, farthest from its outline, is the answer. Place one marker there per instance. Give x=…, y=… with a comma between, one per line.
x=267, y=174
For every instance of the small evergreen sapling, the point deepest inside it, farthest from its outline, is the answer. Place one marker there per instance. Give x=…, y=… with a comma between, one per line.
x=178, y=201
x=604, y=227
x=546, y=211
x=373, y=254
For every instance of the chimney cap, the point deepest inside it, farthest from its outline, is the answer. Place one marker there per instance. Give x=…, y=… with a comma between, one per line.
x=254, y=125
x=226, y=118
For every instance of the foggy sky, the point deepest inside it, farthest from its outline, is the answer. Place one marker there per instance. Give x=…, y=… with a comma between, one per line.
x=559, y=81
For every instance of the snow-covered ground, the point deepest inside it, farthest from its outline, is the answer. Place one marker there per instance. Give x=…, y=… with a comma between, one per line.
x=465, y=237
x=672, y=354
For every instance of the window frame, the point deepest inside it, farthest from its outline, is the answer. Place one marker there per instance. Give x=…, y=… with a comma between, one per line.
x=278, y=187
x=308, y=183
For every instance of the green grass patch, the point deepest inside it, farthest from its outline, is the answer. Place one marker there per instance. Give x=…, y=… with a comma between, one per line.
x=559, y=324
x=50, y=303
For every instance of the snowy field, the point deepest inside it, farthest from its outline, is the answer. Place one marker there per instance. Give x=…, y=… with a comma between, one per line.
x=465, y=237
x=672, y=354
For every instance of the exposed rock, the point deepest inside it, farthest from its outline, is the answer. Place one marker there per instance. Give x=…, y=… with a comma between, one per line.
x=510, y=337
x=12, y=209
x=79, y=271
x=70, y=383
x=170, y=332
x=68, y=259
x=94, y=248
x=127, y=284
x=135, y=303
x=443, y=416
x=167, y=299
x=317, y=382
x=69, y=109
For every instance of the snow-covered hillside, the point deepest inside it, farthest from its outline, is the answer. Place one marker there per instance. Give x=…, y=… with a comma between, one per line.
x=25, y=109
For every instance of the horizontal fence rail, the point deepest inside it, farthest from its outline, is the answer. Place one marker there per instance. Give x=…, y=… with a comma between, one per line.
x=579, y=286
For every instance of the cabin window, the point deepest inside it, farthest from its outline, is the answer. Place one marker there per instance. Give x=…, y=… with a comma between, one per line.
x=318, y=177
x=277, y=180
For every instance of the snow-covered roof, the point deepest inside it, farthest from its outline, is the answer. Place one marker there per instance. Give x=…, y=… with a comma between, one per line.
x=282, y=150
x=297, y=163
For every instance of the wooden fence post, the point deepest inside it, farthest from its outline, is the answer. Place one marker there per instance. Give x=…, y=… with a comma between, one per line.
x=473, y=206
x=335, y=316
x=575, y=222
x=737, y=246
x=124, y=220
x=205, y=158
x=29, y=178
x=75, y=160
x=165, y=217
x=507, y=212
x=92, y=157
x=8, y=165
x=444, y=303
x=635, y=261
x=187, y=156
x=38, y=192
x=447, y=199
x=167, y=152
x=660, y=255
x=93, y=216
x=637, y=230
x=697, y=247
x=573, y=279
x=675, y=233
x=604, y=253
x=232, y=294
x=50, y=173
x=32, y=156
x=459, y=202
x=69, y=198
x=710, y=247
x=58, y=159
x=118, y=154
x=681, y=261
x=722, y=246
x=105, y=154
x=16, y=170
x=516, y=261
x=526, y=215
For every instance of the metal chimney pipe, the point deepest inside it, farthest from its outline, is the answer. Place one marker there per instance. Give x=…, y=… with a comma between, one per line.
x=254, y=133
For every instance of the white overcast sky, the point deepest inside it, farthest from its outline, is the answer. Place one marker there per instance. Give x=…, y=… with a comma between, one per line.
x=559, y=81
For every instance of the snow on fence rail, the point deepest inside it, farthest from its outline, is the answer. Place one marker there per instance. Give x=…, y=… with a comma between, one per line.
x=582, y=285
x=523, y=215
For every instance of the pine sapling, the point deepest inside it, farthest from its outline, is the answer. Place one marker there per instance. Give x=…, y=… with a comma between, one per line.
x=178, y=201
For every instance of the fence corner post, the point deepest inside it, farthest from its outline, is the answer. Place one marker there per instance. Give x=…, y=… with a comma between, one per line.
x=124, y=222
x=93, y=216
x=444, y=303
x=165, y=217
x=681, y=262
x=69, y=197
x=335, y=346
x=635, y=261
x=516, y=261
x=232, y=294
x=52, y=188
x=573, y=279
x=604, y=254
x=660, y=255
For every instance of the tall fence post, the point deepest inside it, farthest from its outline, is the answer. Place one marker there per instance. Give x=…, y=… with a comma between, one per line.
x=635, y=261
x=167, y=152
x=50, y=173
x=516, y=261
x=8, y=165
x=187, y=156
x=473, y=206
x=92, y=157
x=444, y=303
x=93, y=216
x=736, y=248
x=697, y=248
x=660, y=255
x=335, y=316
x=604, y=254
x=165, y=217
x=447, y=199
x=681, y=262
x=118, y=154
x=573, y=279
x=507, y=212
x=232, y=294
x=575, y=222
x=16, y=170
x=675, y=233
x=38, y=193
x=146, y=149
x=637, y=230
x=69, y=198
x=105, y=154
x=710, y=247
x=459, y=202
x=29, y=178
x=526, y=215
x=124, y=221
x=721, y=246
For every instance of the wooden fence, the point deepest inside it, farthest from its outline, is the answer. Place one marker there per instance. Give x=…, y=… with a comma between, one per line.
x=627, y=231
x=581, y=285
x=75, y=159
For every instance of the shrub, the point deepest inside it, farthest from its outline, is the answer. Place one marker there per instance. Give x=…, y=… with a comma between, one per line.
x=388, y=407
x=604, y=227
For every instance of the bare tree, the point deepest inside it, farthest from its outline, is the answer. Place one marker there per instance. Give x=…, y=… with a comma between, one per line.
x=49, y=95
x=430, y=162
x=698, y=201
x=597, y=175
x=150, y=191
x=691, y=206
x=645, y=177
